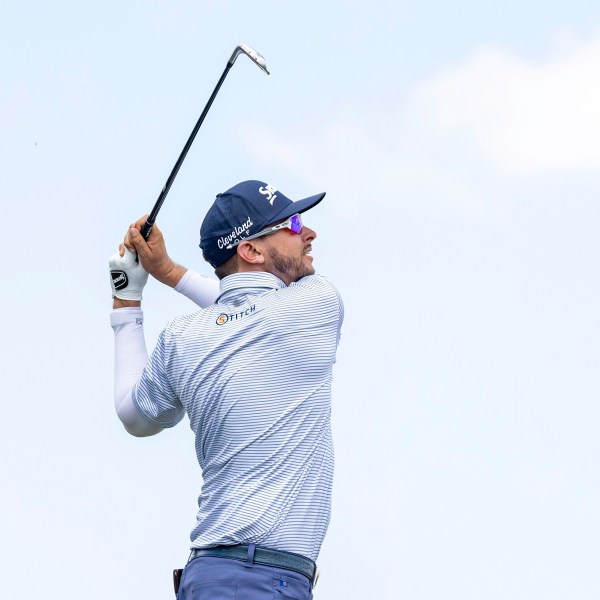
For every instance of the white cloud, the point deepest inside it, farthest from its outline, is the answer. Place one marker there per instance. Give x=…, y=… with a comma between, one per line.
x=526, y=117
x=452, y=145
x=374, y=164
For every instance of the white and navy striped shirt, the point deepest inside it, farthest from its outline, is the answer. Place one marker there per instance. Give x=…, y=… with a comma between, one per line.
x=253, y=372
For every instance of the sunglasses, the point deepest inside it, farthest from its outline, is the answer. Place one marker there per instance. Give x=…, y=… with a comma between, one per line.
x=294, y=224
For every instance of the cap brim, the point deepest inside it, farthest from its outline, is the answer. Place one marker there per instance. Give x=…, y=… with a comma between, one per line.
x=299, y=206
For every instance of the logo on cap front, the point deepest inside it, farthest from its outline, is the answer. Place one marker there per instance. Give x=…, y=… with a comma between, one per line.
x=269, y=192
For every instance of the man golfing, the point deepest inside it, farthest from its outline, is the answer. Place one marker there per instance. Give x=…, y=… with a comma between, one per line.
x=252, y=370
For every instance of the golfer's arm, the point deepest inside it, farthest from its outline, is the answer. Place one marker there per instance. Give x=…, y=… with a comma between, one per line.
x=199, y=289
x=130, y=359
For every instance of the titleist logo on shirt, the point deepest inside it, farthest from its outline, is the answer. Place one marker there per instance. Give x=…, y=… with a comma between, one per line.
x=237, y=232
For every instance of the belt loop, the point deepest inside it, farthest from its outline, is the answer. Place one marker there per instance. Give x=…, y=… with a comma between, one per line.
x=250, y=557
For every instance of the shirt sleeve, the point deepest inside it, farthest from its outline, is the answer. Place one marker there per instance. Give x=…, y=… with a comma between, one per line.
x=154, y=395
x=324, y=295
x=199, y=289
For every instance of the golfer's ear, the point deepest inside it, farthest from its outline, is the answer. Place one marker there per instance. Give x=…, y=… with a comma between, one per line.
x=251, y=253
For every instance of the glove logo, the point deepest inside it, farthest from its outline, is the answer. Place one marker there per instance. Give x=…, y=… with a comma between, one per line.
x=119, y=279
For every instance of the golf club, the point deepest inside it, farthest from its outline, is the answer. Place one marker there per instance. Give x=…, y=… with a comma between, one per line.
x=259, y=60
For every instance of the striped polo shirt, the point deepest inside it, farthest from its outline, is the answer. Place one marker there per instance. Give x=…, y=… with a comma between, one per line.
x=253, y=373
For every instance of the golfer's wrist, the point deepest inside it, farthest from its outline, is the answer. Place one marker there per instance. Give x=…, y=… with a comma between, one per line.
x=119, y=303
x=173, y=275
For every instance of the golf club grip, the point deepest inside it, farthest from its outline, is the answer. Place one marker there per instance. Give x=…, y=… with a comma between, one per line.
x=147, y=228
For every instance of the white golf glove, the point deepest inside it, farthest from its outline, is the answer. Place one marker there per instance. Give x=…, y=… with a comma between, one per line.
x=127, y=276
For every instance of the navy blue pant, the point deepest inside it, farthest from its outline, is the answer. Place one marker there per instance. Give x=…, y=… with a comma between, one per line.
x=208, y=578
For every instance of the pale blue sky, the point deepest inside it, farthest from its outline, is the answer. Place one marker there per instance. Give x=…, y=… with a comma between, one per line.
x=458, y=144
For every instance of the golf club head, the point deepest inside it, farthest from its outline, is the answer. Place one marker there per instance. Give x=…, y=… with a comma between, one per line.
x=255, y=56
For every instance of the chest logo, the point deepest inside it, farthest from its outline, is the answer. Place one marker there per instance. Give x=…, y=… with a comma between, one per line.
x=228, y=317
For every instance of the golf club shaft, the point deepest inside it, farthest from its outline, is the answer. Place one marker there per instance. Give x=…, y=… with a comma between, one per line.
x=147, y=228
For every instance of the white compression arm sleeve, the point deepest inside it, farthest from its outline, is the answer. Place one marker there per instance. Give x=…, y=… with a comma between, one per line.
x=130, y=359
x=199, y=289
x=131, y=354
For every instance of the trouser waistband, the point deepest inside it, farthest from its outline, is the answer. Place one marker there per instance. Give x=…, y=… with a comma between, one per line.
x=262, y=556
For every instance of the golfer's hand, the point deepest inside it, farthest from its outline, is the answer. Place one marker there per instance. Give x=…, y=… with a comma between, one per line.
x=127, y=277
x=152, y=253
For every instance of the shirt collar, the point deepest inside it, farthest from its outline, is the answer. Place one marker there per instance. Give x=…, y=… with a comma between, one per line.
x=256, y=280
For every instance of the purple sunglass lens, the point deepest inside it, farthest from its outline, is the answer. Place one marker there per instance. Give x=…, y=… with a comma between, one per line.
x=296, y=223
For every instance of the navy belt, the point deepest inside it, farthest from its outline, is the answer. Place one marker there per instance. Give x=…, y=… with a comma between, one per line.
x=262, y=556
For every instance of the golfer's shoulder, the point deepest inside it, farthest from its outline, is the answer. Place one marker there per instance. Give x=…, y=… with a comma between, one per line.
x=189, y=323
x=315, y=288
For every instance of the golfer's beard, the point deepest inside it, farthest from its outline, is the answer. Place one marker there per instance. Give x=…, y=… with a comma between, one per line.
x=291, y=267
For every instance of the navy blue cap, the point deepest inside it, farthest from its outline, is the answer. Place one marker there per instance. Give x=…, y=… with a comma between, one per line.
x=244, y=210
